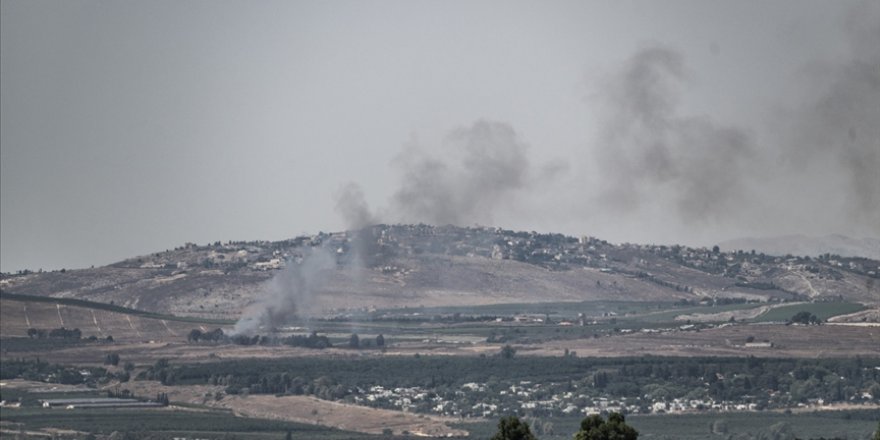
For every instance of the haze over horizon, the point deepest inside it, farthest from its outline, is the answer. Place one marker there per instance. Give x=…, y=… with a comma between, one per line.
x=130, y=128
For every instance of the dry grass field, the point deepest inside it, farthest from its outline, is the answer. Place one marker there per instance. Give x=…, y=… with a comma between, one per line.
x=18, y=316
x=305, y=409
x=788, y=341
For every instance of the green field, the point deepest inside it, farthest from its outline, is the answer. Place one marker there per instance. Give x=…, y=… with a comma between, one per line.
x=213, y=424
x=168, y=423
x=609, y=316
x=744, y=426
x=557, y=310
x=822, y=311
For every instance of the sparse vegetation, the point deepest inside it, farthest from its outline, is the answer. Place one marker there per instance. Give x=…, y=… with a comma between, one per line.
x=638, y=299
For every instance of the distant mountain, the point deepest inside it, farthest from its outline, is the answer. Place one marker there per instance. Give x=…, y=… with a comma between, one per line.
x=804, y=245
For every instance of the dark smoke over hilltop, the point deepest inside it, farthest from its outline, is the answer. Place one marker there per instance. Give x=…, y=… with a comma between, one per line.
x=837, y=125
x=476, y=169
x=813, y=169
x=648, y=150
x=353, y=208
x=658, y=172
x=290, y=294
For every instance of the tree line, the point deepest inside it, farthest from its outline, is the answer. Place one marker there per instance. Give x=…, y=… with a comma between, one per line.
x=593, y=427
x=311, y=340
x=768, y=383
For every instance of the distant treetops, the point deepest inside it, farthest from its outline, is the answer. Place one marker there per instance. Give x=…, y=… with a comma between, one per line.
x=593, y=427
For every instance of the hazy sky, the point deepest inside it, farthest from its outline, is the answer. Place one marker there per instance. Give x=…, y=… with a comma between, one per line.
x=132, y=127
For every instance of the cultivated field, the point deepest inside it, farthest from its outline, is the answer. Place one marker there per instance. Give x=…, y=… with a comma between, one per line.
x=18, y=316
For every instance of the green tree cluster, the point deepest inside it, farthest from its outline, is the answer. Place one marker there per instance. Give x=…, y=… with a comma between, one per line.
x=805, y=318
x=111, y=359
x=593, y=427
x=511, y=428
x=507, y=352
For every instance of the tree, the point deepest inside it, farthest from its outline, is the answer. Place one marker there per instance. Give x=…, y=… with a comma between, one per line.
x=194, y=335
x=511, y=428
x=111, y=359
x=805, y=318
x=354, y=341
x=163, y=399
x=380, y=341
x=507, y=352
x=615, y=428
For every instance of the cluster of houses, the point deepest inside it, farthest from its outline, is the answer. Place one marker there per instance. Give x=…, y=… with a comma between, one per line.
x=476, y=400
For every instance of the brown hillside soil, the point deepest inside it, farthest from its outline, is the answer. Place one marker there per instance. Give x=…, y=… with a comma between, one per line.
x=788, y=341
x=17, y=316
x=304, y=409
x=871, y=315
x=311, y=410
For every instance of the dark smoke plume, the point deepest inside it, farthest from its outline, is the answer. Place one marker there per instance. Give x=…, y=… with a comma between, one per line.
x=289, y=295
x=358, y=218
x=476, y=169
x=353, y=207
x=649, y=151
x=839, y=124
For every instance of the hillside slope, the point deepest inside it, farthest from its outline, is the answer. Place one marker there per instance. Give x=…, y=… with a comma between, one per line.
x=413, y=265
x=805, y=245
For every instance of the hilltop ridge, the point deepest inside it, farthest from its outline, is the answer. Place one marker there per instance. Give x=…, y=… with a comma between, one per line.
x=422, y=265
x=804, y=245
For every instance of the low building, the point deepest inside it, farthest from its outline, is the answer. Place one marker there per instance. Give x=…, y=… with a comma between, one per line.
x=96, y=402
x=764, y=344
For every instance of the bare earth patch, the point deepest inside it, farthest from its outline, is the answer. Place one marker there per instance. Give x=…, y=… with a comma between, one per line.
x=871, y=315
x=305, y=409
x=736, y=314
x=724, y=316
x=788, y=341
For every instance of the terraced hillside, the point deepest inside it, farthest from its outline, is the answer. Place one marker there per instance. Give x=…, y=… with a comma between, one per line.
x=20, y=315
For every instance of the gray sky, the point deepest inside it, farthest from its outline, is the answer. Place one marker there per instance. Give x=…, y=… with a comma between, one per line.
x=131, y=127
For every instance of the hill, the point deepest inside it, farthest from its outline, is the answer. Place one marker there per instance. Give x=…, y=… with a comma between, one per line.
x=388, y=266
x=807, y=246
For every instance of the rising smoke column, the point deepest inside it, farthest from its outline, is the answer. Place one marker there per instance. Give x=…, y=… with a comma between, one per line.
x=291, y=294
x=288, y=295
x=648, y=151
x=359, y=220
x=353, y=207
x=466, y=180
x=835, y=128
